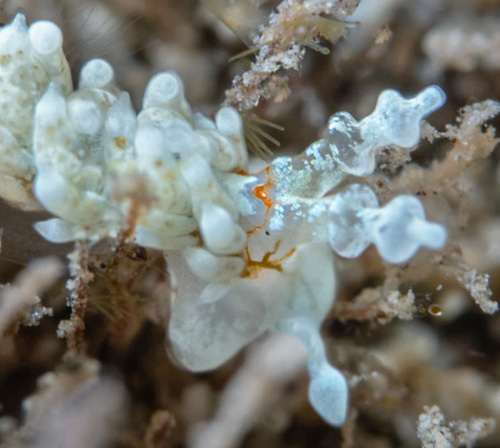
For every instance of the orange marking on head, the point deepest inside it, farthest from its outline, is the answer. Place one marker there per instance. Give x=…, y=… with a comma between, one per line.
x=261, y=192
x=255, y=268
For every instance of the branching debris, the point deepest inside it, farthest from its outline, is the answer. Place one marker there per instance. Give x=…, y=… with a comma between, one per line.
x=20, y=302
x=477, y=285
x=472, y=139
x=377, y=304
x=73, y=329
x=434, y=432
x=281, y=46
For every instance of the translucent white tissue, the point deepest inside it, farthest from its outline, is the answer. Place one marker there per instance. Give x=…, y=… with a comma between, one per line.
x=328, y=393
x=395, y=121
x=398, y=229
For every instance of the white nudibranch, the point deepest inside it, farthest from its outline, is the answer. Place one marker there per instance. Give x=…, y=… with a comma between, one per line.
x=247, y=253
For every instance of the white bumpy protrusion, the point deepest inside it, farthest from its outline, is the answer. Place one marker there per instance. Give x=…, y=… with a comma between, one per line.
x=230, y=125
x=166, y=91
x=59, y=231
x=46, y=37
x=96, y=74
x=46, y=42
x=395, y=121
x=221, y=233
x=398, y=229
